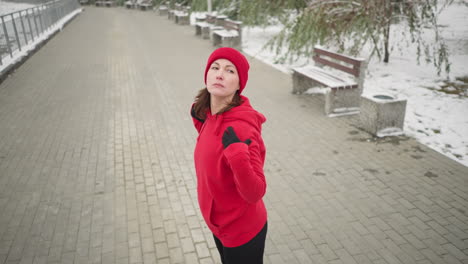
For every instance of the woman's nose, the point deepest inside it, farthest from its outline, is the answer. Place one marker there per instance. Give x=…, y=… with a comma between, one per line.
x=219, y=75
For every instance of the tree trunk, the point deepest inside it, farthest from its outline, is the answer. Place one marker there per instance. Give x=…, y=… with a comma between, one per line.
x=388, y=21
x=386, y=44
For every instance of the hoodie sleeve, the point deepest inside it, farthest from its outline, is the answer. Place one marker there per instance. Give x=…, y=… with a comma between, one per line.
x=196, y=122
x=246, y=162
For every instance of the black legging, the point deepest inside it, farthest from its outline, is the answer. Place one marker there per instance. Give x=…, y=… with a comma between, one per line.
x=249, y=253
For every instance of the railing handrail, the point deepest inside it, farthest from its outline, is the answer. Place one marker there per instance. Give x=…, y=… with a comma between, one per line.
x=20, y=27
x=35, y=6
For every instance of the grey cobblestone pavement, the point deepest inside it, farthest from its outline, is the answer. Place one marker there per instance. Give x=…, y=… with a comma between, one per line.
x=96, y=161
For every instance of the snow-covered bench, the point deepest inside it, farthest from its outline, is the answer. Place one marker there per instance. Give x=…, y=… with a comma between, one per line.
x=130, y=4
x=182, y=16
x=144, y=5
x=163, y=10
x=178, y=7
x=211, y=23
x=110, y=3
x=342, y=80
x=230, y=35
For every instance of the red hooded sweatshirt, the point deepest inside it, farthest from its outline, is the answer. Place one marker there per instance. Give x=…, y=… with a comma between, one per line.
x=230, y=182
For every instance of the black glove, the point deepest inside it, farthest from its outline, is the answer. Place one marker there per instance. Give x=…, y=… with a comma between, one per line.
x=192, y=113
x=230, y=137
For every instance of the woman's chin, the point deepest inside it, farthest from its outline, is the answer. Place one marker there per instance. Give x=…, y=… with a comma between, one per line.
x=218, y=92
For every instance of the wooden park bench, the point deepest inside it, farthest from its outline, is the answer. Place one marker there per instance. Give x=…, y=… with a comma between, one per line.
x=211, y=23
x=172, y=11
x=182, y=16
x=110, y=3
x=230, y=35
x=145, y=5
x=163, y=10
x=343, y=80
x=130, y=4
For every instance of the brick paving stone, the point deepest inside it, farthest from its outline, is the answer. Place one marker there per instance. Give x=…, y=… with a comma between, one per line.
x=362, y=259
x=187, y=245
x=449, y=259
x=207, y=261
x=135, y=255
x=176, y=255
x=149, y=258
x=191, y=258
x=455, y=252
x=275, y=259
x=162, y=250
x=202, y=250
x=327, y=252
x=432, y=256
x=345, y=257
x=96, y=161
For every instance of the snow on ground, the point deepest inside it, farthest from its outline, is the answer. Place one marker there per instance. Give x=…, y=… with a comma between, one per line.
x=436, y=119
x=18, y=55
x=8, y=7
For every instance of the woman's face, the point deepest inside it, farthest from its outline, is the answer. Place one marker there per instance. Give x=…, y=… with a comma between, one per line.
x=222, y=79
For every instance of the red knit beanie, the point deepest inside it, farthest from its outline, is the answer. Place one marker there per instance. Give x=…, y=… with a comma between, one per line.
x=236, y=58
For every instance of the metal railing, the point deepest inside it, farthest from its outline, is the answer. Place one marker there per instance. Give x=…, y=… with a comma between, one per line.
x=20, y=28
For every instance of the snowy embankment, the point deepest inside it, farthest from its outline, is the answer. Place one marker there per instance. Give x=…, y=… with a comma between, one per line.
x=437, y=113
x=7, y=7
x=9, y=61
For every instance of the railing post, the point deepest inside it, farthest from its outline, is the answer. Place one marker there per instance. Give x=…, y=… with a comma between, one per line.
x=44, y=17
x=35, y=23
x=41, y=19
x=49, y=17
x=5, y=33
x=24, y=30
x=16, y=31
x=29, y=23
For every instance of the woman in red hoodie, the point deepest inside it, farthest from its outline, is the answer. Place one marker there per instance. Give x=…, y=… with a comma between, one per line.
x=229, y=157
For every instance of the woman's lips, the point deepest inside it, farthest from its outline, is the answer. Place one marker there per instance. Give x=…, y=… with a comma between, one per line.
x=218, y=85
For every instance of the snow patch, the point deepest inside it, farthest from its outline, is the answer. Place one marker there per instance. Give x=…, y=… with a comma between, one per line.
x=390, y=131
x=435, y=118
x=317, y=90
x=18, y=55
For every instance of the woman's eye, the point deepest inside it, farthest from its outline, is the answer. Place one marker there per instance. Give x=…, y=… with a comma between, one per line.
x=214, y=67
x=230, y=71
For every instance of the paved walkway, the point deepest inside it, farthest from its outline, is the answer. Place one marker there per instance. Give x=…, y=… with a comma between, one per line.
x=96, y=161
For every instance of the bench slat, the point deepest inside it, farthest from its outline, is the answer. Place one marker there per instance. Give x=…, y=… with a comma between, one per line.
x=338, y=66
x=325, y=78
x=341, y=57
x=202, y=24
x=227, y=33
